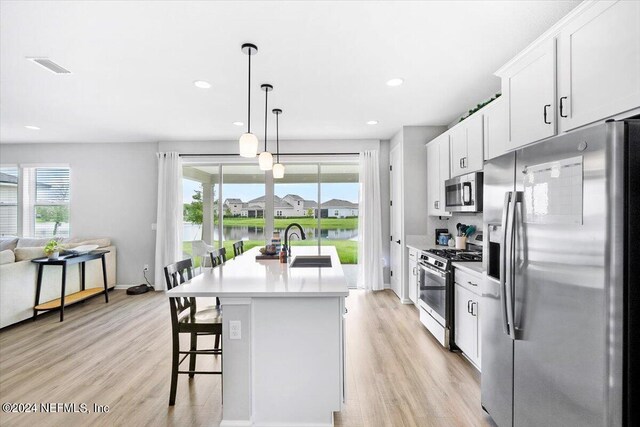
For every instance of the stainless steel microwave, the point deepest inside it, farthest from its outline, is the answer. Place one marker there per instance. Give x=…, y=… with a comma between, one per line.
x=464, y=193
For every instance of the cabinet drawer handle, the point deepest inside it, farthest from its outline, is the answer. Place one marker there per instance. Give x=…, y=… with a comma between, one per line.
x=414, y=271
x=472, y=284
x=436, y=204
x=562, y=106
x=469, y=307
x=473, y=313
x=545, y=114
x=460, y=162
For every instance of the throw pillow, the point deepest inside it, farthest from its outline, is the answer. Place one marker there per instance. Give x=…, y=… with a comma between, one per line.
x=29, y=242
x=8, y=243
x=23, y=254
x=7, y=257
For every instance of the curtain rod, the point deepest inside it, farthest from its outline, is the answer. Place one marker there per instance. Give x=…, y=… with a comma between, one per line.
x=282, y=154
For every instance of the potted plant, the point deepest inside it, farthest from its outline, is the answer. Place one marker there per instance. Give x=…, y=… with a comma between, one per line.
x=52, y=249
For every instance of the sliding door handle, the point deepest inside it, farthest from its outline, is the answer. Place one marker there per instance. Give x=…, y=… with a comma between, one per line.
x=545, y=114
x=398, y=241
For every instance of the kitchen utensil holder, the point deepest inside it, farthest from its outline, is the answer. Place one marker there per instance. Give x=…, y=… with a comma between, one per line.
x=461, y=242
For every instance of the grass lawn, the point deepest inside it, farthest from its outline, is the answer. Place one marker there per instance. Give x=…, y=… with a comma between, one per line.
x=347, y=249
x=327, y=223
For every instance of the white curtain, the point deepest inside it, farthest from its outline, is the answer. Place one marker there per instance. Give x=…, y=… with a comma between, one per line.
x=169, y=215
x=370, y=260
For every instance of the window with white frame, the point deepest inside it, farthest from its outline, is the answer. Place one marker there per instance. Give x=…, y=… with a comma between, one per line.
x=35, y=201
x=8, y=201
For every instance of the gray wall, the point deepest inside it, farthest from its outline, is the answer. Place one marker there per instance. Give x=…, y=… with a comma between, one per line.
x=113, y=194
x=114, y=188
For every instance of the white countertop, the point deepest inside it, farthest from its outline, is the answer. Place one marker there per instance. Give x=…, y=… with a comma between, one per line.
x=423, y=243
x=471, y=267
x=246, y=277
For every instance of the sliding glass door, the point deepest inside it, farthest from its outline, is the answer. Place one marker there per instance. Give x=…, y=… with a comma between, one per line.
x=224, y=203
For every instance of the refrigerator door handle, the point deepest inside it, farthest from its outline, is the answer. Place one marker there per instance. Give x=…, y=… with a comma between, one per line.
x=510, y=250
x=503, y=262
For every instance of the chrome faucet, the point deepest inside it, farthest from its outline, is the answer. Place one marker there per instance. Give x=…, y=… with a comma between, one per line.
x=286, y=237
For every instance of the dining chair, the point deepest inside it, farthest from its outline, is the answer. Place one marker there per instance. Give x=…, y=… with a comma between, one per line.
x=218, y=257
x=199, y=248
x=186, y=319
x=238, y=248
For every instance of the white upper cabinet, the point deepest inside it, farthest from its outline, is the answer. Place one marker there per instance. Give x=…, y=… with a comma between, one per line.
x=437, y=174
x=583, y=70
x=496, y=128
x=475, y=147
x=529, y=87
x=599, y=63
x=467, y=146
x=458, y=149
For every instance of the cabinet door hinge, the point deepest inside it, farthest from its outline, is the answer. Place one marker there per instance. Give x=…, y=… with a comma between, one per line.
x=390, y=168
x=391, y=272
x=391, y=203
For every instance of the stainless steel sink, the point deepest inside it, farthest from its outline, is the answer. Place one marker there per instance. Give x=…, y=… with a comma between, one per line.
x=311, y=261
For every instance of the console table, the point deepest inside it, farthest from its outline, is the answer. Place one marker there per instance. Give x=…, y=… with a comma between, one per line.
x=75, y=297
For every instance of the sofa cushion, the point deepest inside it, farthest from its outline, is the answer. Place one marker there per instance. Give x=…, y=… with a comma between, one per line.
x=7, y=257
x=29, y=242
x=8, y=243
x=102, y=242
x=23, y=254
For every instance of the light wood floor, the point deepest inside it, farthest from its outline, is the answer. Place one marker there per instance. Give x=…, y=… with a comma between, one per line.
x=119, y=355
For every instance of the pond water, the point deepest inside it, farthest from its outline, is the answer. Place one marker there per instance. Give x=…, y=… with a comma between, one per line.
x=194, y=232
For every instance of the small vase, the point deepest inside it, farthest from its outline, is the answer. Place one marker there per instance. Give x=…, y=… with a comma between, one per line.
x=54, y=255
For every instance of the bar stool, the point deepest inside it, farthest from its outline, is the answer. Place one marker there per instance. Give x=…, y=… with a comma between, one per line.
x=185, y=319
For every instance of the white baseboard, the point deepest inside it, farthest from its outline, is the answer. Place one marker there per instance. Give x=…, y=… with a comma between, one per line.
x=406, y=301
x=236, y=423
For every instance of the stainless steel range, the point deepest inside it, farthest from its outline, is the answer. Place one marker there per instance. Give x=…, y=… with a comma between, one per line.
x=435, y=280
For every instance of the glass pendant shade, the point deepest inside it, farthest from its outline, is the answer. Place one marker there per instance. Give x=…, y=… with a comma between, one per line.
x=278, y=170
x=248, y=145
x=265, y=160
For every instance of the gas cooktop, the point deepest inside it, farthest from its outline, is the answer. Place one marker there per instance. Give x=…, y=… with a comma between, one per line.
x=456, y=254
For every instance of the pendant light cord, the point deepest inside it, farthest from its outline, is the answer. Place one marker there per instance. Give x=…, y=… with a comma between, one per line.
x=277, y=139
x=249, y=100
x=266, y=98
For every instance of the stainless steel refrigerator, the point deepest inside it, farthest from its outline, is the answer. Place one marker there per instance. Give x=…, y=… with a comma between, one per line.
x=558, y=325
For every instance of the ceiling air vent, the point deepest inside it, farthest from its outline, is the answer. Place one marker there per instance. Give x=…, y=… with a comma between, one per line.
x=50, y=65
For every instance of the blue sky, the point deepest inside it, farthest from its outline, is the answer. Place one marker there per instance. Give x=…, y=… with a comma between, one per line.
x=246, y=192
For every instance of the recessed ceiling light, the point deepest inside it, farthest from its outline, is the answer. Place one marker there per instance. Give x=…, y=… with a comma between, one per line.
x=395, y=82
x=30, y=127
x=372, y=122
x=202, y=84
x=238, y=123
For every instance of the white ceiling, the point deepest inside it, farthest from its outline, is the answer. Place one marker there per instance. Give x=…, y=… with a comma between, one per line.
x=134, y=62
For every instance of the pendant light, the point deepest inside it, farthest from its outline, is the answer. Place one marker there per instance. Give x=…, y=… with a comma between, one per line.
x=278, y=168
x=265, y=159
x=248, y=141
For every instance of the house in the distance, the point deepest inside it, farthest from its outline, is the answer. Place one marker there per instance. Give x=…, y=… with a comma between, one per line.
x=291, y=206
x=337, y=208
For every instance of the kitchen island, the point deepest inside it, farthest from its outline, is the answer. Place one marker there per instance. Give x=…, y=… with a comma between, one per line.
x=283, y=365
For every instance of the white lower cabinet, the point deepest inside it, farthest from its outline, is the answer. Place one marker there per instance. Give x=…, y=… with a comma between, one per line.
x=413, y=275
x=466, y=316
